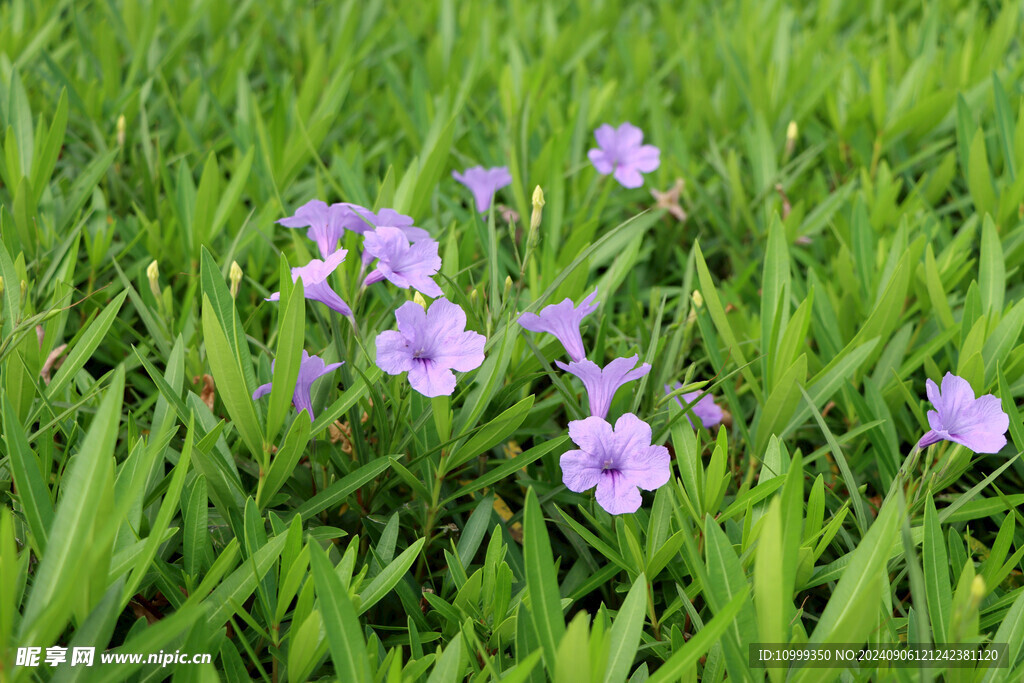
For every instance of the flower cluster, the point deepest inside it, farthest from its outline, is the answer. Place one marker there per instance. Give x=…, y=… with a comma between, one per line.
x=617, y=460
x=428, y=344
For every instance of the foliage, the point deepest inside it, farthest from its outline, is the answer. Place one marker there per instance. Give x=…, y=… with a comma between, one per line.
x=839, y=263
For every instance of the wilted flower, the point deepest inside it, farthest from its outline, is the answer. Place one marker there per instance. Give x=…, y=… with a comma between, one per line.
x=311, y=369
x=429, y=345
x=314, y=282
x=669, y=199
x=483, y=183
x=562, y=320
x=602, y=383
x=705, y=409
x=402, y=264
x=977, y=423
x=621, y=152
x=617, y=461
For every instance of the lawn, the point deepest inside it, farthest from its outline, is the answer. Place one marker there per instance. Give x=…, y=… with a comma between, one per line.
x=515, y=340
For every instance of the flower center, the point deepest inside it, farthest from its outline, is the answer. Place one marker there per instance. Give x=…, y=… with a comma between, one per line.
x=609, y=465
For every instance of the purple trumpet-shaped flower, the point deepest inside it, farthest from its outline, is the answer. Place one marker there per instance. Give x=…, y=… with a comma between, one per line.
x=325, y=224
x=977, y=423
x=617, y=461
x=402, y=264
x=705, y=409
x=361, y=220
x=602, y=383
x=429, y=345
x=483, y=183
x=311, y=369
x=562, y=320
x=314, y=282
x=622, y=152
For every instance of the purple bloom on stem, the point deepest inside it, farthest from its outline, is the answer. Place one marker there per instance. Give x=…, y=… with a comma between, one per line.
x=617, y=461
x=977, y=423
x=429, y=345
x=483, y=183
x=311, y=369
x=706, y=409
x=602, y=383
x=562, y=320
x=361, y=220
x=621, y=152
x=402, y=264
x=324, y=223
x=314, y=282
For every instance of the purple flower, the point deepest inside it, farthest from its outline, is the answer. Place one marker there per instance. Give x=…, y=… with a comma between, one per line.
x=361, y=220
x=429, y=345
x=311, y=369
x=324, y=222
x=602, y=383
x=327, y=224
x=562, y=320
x=616, y=461
x=314, y=282
x=706, y=409
x=402, y=264
x=978, y=423
x=483, y=183
x=622, y=153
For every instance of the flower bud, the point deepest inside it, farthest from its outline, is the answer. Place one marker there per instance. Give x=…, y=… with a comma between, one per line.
x=1, y=285
x=538, y=211
x=24, y=288
x=978, y=591
x=698, y=299
x=418, y=298
x=235, y=274
x=508, y=288
x=792, y=131
x=153, y=273
x=122, y=127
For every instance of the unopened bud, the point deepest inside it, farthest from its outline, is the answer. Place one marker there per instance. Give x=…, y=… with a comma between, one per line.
x=538, y=212
x=418, y=298
x=792, y=131
x=235, y=274
x=1, y=285
x=24, y=288
x=978, y=591
x=122, y=127
x=698, y=300
x=472, y=298
x=153, y=273
x=508, y=287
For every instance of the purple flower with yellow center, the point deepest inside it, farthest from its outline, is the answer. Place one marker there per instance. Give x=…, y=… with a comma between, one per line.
x=483, y=183
x=325, y=223
x=619, y=462
x=977, y=423
x=602, y=383
x=706, y=409
x=314, y=282
x=562, y=320
x=402, y=264
x=311, y=369
x=622, y=152
x=429, y=345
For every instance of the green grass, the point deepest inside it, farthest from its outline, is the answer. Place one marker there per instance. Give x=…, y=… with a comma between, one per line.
x=854, y=185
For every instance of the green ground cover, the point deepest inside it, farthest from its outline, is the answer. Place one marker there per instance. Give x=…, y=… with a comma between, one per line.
x=850, y=224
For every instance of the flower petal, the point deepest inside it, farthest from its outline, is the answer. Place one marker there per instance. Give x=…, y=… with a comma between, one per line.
x=579, y=472
x=431, y=379
x=616, y=495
